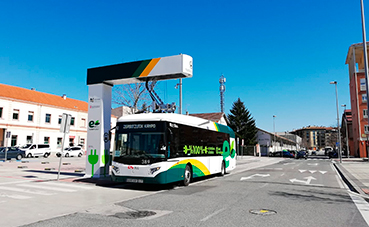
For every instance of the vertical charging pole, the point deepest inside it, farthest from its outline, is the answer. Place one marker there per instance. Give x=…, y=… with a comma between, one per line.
x=64, y=128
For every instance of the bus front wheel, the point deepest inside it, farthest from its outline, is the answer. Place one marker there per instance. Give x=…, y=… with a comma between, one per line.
x=187, y=176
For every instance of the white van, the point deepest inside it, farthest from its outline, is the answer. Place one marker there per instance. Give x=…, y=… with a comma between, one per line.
x=36, y=150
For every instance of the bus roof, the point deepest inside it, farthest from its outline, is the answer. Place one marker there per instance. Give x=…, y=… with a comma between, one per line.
x=180, y=119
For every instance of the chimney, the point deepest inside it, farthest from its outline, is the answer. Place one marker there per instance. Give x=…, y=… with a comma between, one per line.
x=64, y=96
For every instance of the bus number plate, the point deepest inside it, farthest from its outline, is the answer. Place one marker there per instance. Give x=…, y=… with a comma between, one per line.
x=132, y=180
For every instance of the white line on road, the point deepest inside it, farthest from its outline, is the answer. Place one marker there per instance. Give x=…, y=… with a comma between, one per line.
x=67, y=185
x=339, y=182
x=15, y=182
x=46, y=187
x=15, y=196
x=362, y=206
x=312, y=164
x=211, y=215
x=312, y=171
x=25, y=191
x=302, y=170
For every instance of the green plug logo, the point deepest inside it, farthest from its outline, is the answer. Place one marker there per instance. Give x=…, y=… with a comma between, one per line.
x=93, y=159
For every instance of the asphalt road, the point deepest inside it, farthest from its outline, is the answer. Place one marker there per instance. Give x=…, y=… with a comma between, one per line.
x=289, y=193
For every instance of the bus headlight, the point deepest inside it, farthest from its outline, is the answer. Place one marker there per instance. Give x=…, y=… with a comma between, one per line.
x=153, y=170
x=116, y=169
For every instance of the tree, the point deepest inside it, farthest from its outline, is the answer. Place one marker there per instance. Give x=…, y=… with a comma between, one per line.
x=242, y=123
x=135, y=96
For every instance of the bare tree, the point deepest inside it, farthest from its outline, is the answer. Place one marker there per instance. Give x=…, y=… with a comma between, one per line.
x=135, y=96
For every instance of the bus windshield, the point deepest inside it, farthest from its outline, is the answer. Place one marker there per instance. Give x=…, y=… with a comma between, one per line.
x=135, y=146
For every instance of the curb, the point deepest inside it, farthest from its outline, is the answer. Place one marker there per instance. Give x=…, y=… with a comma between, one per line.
x=348, y=179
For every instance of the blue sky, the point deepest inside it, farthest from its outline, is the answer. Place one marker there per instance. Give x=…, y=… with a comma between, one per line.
x=277, y=56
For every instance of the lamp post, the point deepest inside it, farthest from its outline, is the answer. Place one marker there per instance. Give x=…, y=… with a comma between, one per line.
x=338, y=123
x=347, y=144
x=365, y=64
x=274, y=134
x=180, y=95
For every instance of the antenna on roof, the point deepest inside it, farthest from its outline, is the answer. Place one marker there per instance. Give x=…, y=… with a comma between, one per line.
x=222, y=81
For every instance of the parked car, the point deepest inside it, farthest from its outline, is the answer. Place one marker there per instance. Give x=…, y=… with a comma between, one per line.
x=301, y=154
x=333, y=154
x=11, y=152
x=36, y=150
x=71, y=151
x=285, y=153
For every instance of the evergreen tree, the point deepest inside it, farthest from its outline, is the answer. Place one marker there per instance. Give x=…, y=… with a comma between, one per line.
x=242, y=123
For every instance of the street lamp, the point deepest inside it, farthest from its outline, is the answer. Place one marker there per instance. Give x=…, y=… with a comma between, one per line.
x=338, y=123
x=180, y=95
x=347, y=144
x=274, y=134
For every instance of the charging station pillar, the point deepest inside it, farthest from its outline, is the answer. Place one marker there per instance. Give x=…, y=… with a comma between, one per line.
x=99, y=119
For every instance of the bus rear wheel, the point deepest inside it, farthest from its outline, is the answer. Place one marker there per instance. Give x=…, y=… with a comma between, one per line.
x=187, y=176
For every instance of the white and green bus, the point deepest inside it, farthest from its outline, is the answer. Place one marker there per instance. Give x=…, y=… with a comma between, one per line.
x=161, y=148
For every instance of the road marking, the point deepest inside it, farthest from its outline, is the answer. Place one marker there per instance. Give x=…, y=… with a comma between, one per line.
x=15, y=196
x=312, y=171
x=15, y=182
x=362, y=206
x=312, y=164
x=308, y=180
x=290, y=163
x=322, y=172
x=282, y=174
x=211, y=215
x=25, y=191
x=302, y=170
x=339, y=182
x=67, y=185
x=255, y=175
x=46, y=187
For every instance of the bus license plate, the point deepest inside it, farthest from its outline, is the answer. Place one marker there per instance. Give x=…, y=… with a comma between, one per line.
x=132, y=180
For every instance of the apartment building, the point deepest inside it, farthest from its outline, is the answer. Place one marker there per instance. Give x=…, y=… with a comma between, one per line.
x=30, y=116
x=358, y=99
x=317, y=137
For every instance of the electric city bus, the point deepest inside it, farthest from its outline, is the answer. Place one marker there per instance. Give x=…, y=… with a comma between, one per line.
x=161, y=148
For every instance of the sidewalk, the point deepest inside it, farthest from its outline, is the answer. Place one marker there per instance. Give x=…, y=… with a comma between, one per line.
x=355, y=173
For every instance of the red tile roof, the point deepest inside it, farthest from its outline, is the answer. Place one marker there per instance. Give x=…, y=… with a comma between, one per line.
x=27, y=95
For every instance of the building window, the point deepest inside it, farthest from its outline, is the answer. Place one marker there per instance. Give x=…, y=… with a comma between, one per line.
x=83, y=123
x=72, y=121
x=365, y=113
x=29, y=139
x=82, y=141
x=60, y=119
x=71, y=142
x=363, y=98
x=30, y=115
x=59, y=142
x=1, y=112
x=366, y=129
x=46, y=140
x=15, y=114
x=362, y=85
x=48, y=118
x=14, y=140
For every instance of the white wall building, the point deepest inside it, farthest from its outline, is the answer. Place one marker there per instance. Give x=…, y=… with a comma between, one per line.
x=29, y=116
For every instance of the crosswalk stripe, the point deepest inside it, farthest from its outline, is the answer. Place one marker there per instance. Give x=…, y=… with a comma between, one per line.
x=14, y=196
x=46, y=187
x=25, y=191
x=67, y=185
